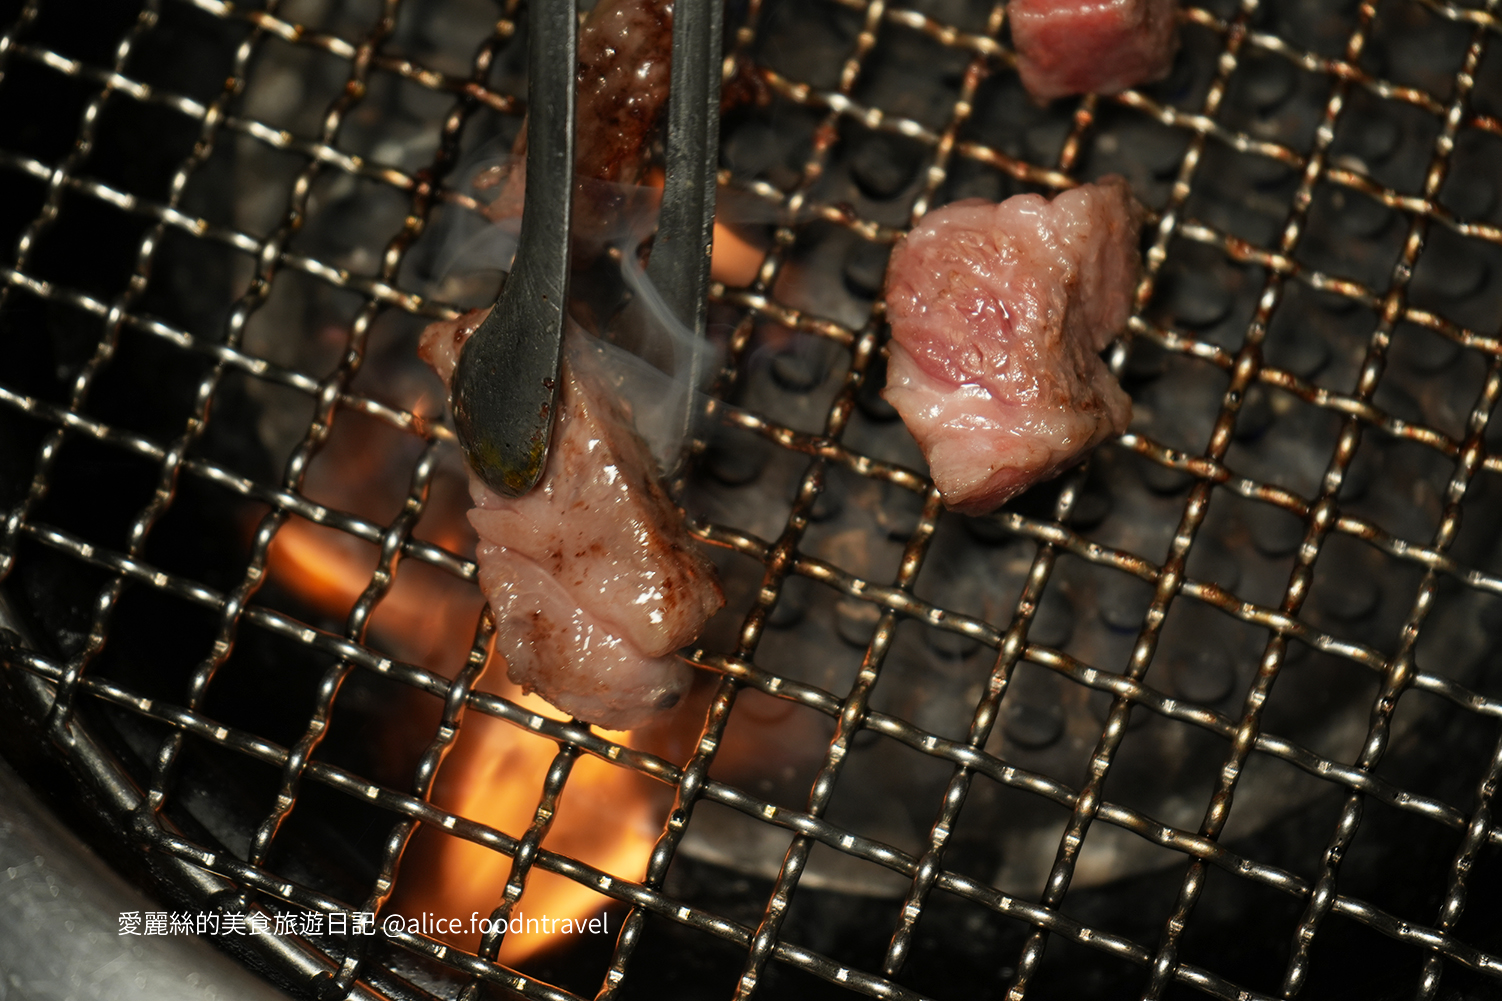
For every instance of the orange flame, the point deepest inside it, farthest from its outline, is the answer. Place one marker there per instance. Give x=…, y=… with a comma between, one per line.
x=733, y=260
x=495, y=776
x=607, y=817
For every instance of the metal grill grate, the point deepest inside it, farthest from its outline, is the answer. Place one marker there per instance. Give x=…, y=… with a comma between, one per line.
x=1193, y=122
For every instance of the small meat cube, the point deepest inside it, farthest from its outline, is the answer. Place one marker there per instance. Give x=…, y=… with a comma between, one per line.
x=998, y=315
x=592, y=575
x=1092, y=46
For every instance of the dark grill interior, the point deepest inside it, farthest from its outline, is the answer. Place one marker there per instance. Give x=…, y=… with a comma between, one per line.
x=1006, y=744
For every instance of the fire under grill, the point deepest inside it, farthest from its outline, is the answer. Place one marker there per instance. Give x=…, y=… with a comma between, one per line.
x=927, y=755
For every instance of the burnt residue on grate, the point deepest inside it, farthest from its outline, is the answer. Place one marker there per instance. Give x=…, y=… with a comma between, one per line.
x=1213, y=714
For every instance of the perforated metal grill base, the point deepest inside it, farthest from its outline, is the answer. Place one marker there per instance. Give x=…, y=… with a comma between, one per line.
x=1323, y=186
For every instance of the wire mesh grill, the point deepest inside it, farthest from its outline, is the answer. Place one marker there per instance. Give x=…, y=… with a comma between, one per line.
x=1198, y=128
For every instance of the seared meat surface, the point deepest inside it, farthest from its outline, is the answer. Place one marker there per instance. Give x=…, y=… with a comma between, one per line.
x=625, y=48
x=998, y=315
x=1092, y=46
x=592, y=576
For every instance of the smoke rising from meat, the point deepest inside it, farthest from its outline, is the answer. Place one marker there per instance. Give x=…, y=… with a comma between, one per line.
x=479, y=248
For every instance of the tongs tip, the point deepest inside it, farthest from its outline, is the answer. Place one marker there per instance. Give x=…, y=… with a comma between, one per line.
x=505, y=394
x=506, y=384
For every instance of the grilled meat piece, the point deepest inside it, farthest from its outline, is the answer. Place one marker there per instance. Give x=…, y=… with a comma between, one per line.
x=625, y=48
x=592, y=576
x=998, y=313
x=1092, y=46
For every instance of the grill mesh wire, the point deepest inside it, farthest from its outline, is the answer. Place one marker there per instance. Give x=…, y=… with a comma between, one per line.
x=986, y=53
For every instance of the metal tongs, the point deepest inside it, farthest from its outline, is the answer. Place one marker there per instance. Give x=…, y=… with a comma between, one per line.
x=506, y=384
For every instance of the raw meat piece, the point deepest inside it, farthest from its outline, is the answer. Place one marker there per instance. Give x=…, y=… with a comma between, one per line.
x=998, y=313
x=1092, y=46
x=592, y=576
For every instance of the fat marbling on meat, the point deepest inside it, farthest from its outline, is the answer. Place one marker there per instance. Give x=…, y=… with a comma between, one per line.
x=998, y=315
x=1092, y=46
x=592, y=576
